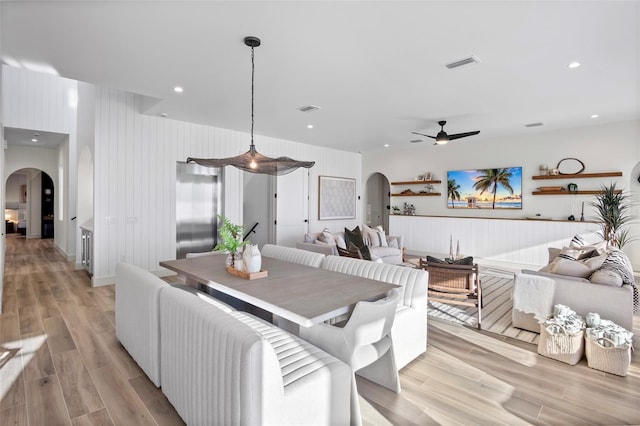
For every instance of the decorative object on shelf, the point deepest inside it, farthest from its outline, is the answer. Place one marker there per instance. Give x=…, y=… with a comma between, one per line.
x=572, y=188
x=429, y=188
x=420, y=178
x=458, y=255
x=231, y=241
x=252, y=259
x=252, y=161
x=428, y=176
x=613, y=209
x=582, y=213
x=554, y=172
x=409, y=209
x=336, y=198
x=396, y=210
x=544, y=169
x=570, y=166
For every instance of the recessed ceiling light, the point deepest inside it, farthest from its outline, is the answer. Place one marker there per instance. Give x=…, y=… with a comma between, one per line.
x=34, y=140
x=386, y=145
x=178, y=89
x=309, y=126
x=574, y=64
x=594, y=116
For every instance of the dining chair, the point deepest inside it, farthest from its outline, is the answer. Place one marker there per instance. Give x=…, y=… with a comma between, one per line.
x=454, y=285
x=350, y=253
x=364, y=342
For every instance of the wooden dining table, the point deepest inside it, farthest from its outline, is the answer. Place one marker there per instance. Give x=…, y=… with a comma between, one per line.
x=297, y=295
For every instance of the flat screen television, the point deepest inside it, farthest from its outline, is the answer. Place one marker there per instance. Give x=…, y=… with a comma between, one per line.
x=491, y=189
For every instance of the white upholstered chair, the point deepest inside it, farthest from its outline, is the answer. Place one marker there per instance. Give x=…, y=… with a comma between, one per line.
x=363, y=343
x=294, y=255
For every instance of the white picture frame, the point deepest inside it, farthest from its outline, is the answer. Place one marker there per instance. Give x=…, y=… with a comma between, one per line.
x=336, y=198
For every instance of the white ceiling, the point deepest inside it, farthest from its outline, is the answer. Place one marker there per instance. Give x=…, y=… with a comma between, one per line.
x=24, y=137
x=375, y=68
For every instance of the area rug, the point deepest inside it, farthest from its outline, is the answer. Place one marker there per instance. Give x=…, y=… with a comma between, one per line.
x=496, y=311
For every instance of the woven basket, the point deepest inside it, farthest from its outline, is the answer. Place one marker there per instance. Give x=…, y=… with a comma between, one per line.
x=613, y=359
x=562, y=346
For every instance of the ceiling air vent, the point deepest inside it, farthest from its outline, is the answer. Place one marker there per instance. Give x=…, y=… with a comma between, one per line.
x=308, y=108
x=416, y=141
x=533, y=124
x=462, y=62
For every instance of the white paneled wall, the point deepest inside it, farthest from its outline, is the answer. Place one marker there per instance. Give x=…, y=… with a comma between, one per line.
x=135, y=179
x=33, y=100
x=505, y=240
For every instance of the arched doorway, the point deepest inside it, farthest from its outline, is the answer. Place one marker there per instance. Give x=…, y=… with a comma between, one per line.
x=29, y=204
x=378, y=201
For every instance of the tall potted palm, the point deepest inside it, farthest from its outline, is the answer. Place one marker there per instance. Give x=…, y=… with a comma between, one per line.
x=491, y=179
x=452, y=191
x=613, y=211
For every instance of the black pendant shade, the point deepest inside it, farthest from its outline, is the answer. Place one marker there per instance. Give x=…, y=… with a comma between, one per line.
x=252, y=161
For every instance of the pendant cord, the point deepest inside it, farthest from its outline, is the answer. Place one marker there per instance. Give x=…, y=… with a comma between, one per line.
x=252, y=78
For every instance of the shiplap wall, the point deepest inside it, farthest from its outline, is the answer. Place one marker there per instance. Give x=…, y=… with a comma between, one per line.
x=135, y=178
x=45, y=102
x=505, y=240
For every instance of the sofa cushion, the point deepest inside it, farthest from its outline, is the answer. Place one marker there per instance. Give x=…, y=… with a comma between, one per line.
x=576, y=268
x=393, y=243
x=340, y=242
x=310, y=237
x=384, y=251
x=606, y=277
x=616, y=260
x=354, y=236
x=588, y=238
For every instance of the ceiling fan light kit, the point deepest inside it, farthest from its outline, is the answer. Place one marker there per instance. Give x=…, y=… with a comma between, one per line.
x=252, y=161
x=442, y=137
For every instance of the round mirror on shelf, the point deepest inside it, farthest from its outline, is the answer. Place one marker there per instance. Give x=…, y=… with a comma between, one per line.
x=570, y=166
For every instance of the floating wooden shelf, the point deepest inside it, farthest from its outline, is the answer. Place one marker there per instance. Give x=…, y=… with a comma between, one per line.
x=565, y=192
x=416, y=182
x=427, y=194
x=578, y=176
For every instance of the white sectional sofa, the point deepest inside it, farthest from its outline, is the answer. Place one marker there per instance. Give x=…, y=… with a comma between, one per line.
x=294, y=255
x=391, y=254
x=217, y=365
x=409, y=330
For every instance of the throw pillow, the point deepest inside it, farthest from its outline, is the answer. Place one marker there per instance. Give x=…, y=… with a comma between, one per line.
x=616, y=260
x=354, y=236
x=376, y=236
x=576, y=253
x=327, y=237
x=310, y=238
x=606, y=277
x=576, y=268
x=340, y=242
x=553, y=253
x=588, y=238
x=393, y=243
x=364, y=251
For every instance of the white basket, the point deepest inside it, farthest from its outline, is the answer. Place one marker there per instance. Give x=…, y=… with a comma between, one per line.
x=612, y=359
x=561, y=346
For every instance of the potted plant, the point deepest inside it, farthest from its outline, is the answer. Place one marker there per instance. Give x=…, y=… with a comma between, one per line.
x=231, y=236
x=396, y=210
x=613, y=211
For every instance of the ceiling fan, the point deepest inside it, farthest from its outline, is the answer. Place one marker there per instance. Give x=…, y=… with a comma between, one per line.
x=442, y=137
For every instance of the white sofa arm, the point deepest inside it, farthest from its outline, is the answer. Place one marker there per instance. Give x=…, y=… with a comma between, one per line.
x=399, y=239
x=317, y=248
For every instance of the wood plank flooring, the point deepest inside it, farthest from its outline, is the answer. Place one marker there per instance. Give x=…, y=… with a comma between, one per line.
x=60, y=363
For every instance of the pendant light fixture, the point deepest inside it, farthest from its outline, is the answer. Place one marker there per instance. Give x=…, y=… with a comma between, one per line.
x=252, y=161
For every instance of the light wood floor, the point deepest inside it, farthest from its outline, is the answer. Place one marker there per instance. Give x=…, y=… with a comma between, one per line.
x=63, y=365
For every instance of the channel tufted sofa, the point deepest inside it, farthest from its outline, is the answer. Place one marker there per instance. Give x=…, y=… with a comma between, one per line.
x=409, y=330
x=217, y=365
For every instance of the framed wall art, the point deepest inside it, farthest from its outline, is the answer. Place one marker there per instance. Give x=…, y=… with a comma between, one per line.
x=336, y=198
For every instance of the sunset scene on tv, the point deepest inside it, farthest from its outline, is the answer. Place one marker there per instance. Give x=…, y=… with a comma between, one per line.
x=485, y=188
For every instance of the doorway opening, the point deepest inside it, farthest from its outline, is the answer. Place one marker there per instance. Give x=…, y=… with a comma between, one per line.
x=29, y=204
x=378, y=201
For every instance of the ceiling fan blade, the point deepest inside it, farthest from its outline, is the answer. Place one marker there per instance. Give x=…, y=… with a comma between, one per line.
x=422, y=134
x=463, y=135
